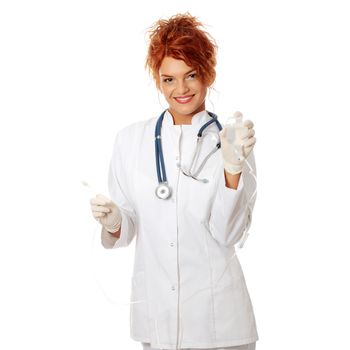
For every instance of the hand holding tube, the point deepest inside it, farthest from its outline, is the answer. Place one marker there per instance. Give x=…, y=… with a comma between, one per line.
x=237, y=142
x=106, y=212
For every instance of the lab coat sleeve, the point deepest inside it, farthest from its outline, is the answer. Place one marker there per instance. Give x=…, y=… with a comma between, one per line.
x=230, y=216
x=118, y=190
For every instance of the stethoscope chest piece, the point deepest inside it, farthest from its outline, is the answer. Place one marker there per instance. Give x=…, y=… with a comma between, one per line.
x=163, y=191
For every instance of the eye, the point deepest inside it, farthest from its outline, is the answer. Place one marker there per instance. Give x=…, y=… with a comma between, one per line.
x=192, y=75
x=166, y=80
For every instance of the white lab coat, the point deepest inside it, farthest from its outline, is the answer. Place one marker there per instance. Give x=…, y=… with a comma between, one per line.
x=184, y=243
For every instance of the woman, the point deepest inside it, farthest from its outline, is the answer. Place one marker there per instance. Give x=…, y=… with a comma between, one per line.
x=188, y=288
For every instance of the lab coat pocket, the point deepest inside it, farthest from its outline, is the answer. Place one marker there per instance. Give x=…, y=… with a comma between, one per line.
x=139, y=306
x=233, y=306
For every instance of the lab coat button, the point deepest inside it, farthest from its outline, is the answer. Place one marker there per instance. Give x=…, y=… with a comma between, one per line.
x=172, y=287
x=171, y=244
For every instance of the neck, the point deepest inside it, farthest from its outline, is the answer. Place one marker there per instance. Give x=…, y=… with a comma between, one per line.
x=180, y=119
x=185, y=121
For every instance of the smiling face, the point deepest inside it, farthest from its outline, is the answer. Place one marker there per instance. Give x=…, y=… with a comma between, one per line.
x=182, y=88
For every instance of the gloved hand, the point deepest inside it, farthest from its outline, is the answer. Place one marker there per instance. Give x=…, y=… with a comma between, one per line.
x=106, y=212
x=233, y=163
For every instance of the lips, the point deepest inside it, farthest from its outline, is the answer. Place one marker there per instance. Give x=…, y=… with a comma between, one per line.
x=184, y=99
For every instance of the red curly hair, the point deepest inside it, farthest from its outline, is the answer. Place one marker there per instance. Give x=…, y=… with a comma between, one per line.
x=179, y=37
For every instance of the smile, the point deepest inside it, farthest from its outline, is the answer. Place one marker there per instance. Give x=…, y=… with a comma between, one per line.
x=183, y=100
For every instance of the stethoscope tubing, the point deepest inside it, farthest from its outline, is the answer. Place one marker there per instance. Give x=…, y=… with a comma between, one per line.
x=162, y=178
x=159, y=150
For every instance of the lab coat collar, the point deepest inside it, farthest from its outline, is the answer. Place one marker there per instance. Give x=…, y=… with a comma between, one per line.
x=198, y=119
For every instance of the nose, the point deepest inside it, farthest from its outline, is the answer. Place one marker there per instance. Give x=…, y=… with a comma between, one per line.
x=182, y=88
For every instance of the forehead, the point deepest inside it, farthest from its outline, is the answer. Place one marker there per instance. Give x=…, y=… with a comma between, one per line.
x=172, y=66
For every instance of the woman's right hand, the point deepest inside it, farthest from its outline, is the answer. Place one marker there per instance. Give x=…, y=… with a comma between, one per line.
x=106, y=212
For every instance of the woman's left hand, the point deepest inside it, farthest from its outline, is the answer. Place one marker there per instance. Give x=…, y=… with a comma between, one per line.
x=233, y=162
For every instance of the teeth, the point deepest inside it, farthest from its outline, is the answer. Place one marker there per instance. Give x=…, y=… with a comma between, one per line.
x=184, y=99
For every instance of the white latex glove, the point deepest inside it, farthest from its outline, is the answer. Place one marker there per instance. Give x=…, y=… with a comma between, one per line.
x=106, y=212
x=233, y=163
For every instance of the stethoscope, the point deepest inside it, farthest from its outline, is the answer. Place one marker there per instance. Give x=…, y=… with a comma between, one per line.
x=163, y=190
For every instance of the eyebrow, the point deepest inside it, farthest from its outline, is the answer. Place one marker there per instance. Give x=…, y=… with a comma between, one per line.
x=165, y=75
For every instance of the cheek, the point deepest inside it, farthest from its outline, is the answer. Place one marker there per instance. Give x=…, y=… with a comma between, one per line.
x=203, y=92
x=167, y=95
x=167, y=91
x=199, y=88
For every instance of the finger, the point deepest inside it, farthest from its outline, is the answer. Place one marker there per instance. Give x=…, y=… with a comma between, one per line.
x=250, y=142
x=247, y=133
x=237, y=114
x=97, y=201
x=101, y=196
x=98, y=215
x=248, y=123
x=100, y=200
x=100, y=208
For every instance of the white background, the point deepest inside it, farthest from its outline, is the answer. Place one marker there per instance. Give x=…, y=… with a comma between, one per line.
x=72, y=74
